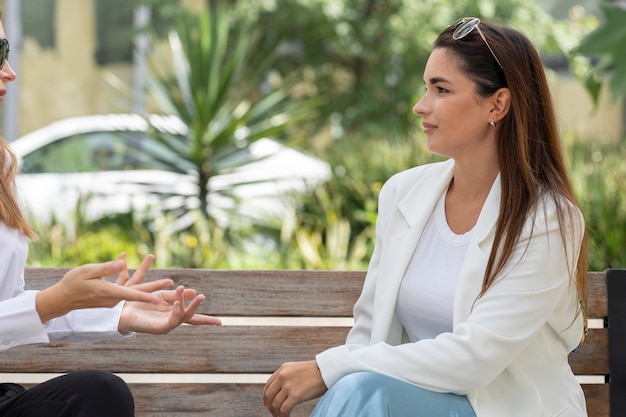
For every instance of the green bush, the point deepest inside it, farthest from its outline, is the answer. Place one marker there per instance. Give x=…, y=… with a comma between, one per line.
x=99, y=241
x=599, y=177
x=332, y=228
x=335, y=225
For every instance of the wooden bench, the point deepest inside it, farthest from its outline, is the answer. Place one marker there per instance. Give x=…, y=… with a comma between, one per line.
x=271, y=317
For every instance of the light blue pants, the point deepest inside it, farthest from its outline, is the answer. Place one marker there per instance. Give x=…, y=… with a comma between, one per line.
x=368, y=394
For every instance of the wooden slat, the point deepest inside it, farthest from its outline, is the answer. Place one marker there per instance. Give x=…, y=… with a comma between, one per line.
x=252, y=293
x=245, y=400
x=239, y=349
x=279, y=292
x=205, y=400
x=598, y=306
x=201, y=400
x=592, y=357
x=597, y=400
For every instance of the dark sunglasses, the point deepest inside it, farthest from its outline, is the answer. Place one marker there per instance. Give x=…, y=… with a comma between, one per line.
x=4, y=52
x=465, y=26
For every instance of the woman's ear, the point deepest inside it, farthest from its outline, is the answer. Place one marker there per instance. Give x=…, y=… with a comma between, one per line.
x=500, y=104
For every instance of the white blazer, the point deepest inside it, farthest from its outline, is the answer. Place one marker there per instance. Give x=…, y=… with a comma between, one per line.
x=508, y=351
x=19, y=321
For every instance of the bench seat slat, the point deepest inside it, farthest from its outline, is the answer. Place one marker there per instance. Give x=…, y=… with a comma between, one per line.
x=202, y=400
x=195, y=400
x=245, y=400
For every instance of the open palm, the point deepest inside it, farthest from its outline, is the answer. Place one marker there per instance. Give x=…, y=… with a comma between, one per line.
x=163, y=317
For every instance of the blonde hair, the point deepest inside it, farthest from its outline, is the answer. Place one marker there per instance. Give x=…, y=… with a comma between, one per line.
x=10, y=212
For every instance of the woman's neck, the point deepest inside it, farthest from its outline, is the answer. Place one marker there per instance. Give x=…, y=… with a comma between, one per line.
x=466, y=195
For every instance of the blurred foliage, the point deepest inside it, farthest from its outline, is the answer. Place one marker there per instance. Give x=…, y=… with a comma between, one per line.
x=334, y=227
x=99, y=241
x=364, y=58
x=104, y=240
x=599, y=176
x=607, y=45
x=226, y=104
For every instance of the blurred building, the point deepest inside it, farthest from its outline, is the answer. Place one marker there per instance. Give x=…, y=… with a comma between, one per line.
x=75, y=57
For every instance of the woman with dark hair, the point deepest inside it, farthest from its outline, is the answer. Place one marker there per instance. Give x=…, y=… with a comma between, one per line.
x=81, y=306
x=475, y=293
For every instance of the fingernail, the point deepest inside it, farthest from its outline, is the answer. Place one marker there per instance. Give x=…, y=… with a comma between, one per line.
x=118, y=265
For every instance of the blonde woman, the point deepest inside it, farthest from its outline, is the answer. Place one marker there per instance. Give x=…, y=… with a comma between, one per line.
x=81, y=306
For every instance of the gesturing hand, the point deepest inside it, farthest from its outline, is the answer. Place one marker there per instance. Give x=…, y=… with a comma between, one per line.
x=169, y=313
x=85, y=287
x=291, y=384
x=136, y=280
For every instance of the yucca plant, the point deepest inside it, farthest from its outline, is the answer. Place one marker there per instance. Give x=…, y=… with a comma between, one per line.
x=225, y=106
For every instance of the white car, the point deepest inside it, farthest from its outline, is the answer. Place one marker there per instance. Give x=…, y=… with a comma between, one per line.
x=90, y=160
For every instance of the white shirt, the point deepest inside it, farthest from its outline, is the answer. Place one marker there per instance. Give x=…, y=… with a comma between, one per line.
x=19, y=322
x=426, y=297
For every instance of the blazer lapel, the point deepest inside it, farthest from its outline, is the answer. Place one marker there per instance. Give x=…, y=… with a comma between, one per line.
x=419, y=202
x=405, y=229
x=475, y=264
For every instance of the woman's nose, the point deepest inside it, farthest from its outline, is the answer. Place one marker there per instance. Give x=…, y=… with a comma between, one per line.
x=420, y=107
x=7, y=72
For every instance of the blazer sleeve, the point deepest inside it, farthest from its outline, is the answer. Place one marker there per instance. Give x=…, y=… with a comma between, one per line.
x=536, y=282
x=88, y=324
x=19, y=322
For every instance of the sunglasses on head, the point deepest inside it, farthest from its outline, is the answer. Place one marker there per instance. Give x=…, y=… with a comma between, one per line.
x=4, y=52
x=464, y=26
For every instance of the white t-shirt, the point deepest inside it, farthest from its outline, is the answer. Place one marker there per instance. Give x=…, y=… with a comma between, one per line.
x=426, y=296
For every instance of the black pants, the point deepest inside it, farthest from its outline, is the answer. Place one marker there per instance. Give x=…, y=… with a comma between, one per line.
x=77, y=394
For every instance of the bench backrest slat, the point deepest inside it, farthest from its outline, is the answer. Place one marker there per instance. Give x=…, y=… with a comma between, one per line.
x=227, y=349
x=598, y=305
x=254, y=293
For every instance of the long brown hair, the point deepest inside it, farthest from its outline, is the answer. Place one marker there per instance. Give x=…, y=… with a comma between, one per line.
x=529, y=146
